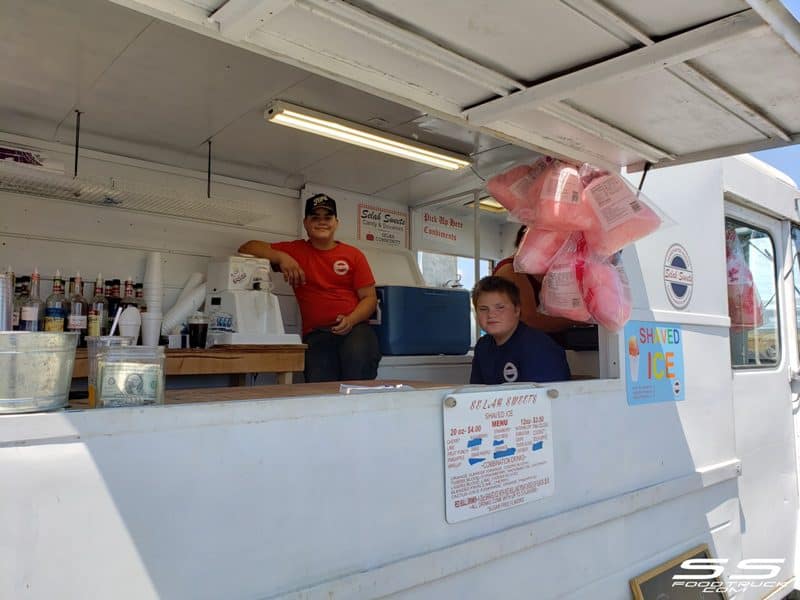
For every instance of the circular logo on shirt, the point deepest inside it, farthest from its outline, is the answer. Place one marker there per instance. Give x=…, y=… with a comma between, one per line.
x=340, y=267
x=678, y=276
x=510, y=372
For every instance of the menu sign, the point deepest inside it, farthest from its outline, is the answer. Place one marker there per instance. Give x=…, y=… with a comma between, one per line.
x=498, y=451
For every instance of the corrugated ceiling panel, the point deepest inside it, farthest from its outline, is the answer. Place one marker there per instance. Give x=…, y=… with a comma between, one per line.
x=765, y=74
x=305, y=28
x=661, y=109
x=362, y=171
x=177, y=88
x=554, y=133
x=51, y=57
x=664, y=18
x=525, y=40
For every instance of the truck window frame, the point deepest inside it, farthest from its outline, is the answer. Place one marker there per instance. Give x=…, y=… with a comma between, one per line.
x=774, y=364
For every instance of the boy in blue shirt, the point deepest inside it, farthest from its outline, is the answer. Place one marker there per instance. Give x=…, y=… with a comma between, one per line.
x=511, y=351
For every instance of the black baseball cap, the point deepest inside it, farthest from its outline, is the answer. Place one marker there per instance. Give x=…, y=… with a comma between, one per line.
x=320, y=200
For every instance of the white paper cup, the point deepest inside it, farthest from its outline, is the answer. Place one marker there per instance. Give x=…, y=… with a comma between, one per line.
x=154, y=307
x=194, y=280
x=183, y=308
x=151, y=329
x=153, y=294
x=152, y=271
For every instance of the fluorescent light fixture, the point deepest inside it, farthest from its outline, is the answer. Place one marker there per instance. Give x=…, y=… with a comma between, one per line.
x=488, y=204
x=361, y=135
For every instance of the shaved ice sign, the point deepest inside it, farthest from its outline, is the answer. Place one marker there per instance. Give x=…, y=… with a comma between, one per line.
x=653, y=362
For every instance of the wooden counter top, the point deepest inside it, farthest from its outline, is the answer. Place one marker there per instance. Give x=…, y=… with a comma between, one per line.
x=280, y=391
x=280, y=359
x=258, y=392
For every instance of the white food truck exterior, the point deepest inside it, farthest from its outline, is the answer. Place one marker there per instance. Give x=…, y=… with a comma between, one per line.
x=344, y=496
x=357, y=496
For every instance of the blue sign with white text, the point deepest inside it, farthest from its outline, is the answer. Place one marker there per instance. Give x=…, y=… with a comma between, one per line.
x=653, y=362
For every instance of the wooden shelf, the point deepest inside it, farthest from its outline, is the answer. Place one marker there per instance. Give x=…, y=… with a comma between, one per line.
x=280, y=359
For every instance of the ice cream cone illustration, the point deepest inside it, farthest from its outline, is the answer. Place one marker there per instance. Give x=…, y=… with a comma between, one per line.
x=633, y=357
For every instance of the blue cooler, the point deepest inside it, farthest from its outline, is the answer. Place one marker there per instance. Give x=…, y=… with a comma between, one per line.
x=418, y=320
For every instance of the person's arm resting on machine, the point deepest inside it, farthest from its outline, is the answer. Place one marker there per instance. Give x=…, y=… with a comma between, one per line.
x=286, y=264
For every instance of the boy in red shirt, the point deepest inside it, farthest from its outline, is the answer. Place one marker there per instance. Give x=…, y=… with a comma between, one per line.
x=335, y=290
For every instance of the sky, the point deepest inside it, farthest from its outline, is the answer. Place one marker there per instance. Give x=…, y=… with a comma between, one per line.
x=786, y=159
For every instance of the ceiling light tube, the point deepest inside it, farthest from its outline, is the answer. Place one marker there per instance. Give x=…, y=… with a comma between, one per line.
x=360, y=135
x=488, y=204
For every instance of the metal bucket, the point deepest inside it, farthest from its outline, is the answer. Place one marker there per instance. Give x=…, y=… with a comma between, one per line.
x=35, y=370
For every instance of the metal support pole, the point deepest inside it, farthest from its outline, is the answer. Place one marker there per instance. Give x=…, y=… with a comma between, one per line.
x=476, y=208
x=208, y=187
x=476, y=251
x=77, y=141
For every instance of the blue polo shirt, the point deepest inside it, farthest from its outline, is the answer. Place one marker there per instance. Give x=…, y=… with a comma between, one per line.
x=528, y=355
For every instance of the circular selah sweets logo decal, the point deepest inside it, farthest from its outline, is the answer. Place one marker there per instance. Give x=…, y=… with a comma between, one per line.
x=510, y=372
x=340, y=267
x=678, y=276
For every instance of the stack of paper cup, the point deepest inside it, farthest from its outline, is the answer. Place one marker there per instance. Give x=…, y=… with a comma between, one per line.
x=151, y=328
x=154, y=298
x=153, y=284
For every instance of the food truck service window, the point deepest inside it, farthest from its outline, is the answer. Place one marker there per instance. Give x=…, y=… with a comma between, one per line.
x=752, y=296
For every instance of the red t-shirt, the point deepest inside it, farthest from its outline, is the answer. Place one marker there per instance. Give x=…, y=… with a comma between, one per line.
x=332, y=278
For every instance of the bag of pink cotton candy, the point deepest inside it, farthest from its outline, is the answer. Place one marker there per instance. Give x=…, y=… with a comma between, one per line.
x=560, y=205
x=623, y=214
x=537, y=250
x=605, y=290
x=561, y=293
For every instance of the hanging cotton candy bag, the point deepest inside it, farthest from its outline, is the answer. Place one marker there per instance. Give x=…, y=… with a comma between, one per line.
x=560, y=205
x=518, y=189
x=744, y=303
x=561, y=293
x=537, y=250
x=606, y=290
x=623, y=214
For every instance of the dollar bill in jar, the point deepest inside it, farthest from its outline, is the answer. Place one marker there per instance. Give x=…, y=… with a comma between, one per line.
x=129, y=384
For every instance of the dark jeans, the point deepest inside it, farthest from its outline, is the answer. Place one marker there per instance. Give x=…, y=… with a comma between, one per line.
x=331, y=357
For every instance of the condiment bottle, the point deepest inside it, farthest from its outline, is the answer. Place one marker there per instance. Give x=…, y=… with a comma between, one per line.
x=129, y=298
x=98, y=310
x=21, y=292
x=55, y=308
x=77, y=320
x=31, y=316
x=114, y=299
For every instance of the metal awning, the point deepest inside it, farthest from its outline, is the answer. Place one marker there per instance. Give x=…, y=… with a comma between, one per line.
x=619, y=82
